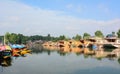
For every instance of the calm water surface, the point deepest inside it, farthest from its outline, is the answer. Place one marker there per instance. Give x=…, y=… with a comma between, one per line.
x=60, y=63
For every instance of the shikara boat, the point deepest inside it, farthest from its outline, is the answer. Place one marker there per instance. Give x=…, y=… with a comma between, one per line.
x=5, y=51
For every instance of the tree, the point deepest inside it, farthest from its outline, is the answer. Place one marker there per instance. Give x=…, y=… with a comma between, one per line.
x=48, y=37
x=22, y=39
x=98, y=33
x=77, y=37
x=118, y=33
x=113, y=33
x=62, y=37
x=14, y=38
x=1, y=38
x=86, y=36
x=7, y=37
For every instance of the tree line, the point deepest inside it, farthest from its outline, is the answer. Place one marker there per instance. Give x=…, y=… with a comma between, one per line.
x=22, y=39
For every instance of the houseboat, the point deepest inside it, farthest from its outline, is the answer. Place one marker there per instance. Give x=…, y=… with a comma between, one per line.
x=110, y=41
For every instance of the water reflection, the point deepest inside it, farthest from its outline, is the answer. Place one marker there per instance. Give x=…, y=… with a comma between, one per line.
x=119, y=60
x=6, y=62
x=62, y=61
x=76, y=61
x=97, y=54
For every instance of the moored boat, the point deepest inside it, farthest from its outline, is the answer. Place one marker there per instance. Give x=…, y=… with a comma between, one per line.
x=5, y=51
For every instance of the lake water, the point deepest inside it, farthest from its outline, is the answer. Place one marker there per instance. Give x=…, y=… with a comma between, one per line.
x=54, y=62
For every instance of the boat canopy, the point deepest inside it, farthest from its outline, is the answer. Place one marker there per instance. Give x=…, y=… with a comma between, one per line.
x=14, y=46
x=5, y=47
x=8, y=47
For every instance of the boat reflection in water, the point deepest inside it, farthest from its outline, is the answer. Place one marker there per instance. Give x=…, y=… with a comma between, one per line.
x=7, y=61
x=98, y=54
x=63, y=60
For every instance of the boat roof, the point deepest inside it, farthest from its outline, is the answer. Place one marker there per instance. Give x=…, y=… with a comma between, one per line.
x=111, y=36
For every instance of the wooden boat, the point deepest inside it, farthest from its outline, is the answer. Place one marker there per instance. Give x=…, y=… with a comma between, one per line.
x=25, y=51
x=15, y=52
x=18, y=52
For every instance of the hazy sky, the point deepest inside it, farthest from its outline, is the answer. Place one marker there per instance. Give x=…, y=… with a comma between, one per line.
x=58, y=17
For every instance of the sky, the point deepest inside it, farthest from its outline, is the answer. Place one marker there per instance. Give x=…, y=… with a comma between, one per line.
x=59, y=17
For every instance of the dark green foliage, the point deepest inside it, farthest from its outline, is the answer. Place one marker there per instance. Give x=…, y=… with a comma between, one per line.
x=1, y=38
x=62, y=37
x=113, y=33
x=86, y=36
x=77, y=37
x=21, y=39
x=15, y=38
x=118, y=33
x=98, y=33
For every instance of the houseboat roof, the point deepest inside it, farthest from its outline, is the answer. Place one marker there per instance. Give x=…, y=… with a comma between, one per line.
x=111, y=36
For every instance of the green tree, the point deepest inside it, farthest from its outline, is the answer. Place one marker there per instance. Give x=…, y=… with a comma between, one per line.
x=62, y=37
x=118, y=33
x=7, y=37
x=14, y=38
x=22, y=39
x=113, y=33
x=98, y=33
x=86, y=36
x=48, y=37
x=1, y=38
x=77, y=37
x=25, y=39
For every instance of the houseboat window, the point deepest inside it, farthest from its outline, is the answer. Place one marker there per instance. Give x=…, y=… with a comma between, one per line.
x=111, y=40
